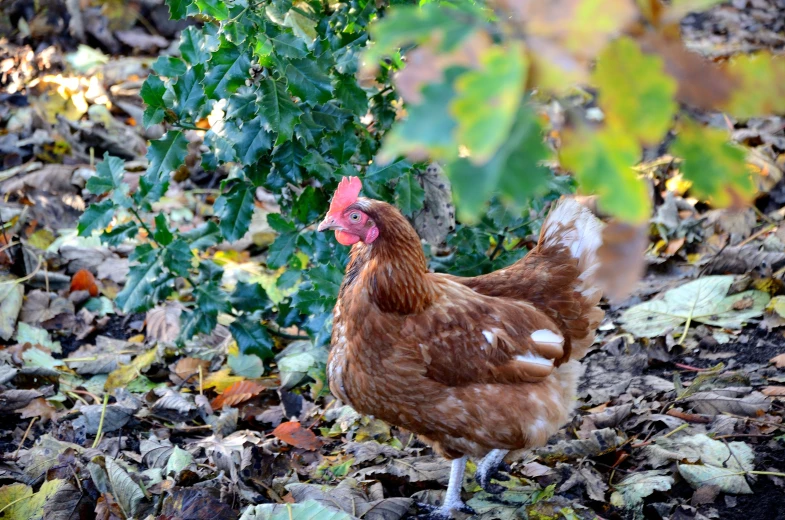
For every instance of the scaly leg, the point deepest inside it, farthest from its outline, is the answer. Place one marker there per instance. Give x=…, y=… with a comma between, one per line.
x=488, y=468
x=452, y=499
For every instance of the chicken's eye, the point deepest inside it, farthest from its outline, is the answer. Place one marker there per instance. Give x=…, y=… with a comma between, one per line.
x=354, y=217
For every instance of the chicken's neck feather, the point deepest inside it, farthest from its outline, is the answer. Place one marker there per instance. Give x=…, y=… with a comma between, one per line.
x=393, y=269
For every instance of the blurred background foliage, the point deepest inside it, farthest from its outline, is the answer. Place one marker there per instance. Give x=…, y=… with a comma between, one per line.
x=497, y=107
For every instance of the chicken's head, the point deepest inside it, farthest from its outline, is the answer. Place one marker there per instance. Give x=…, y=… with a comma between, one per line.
x=347, y=218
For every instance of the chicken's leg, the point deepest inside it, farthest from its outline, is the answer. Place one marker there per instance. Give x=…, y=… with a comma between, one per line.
x=452, y=499
x=488, y=468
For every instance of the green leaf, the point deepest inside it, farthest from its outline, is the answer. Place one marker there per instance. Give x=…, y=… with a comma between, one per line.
x=255, y=140
x=289, y=46
x=715, y=167
x=635, y=93
x=515, y=170
x=243, y=104
x=279, y=109
x=251, y=336
x=189, y=95
x=169, y=67
x=215, y=8
x=120, y=234
x=178, y=8
x=108, y=175
x=351, y=96
x=164, y=155
x=228, y=70
x=203, y=236
x=96, y=217
x=343, y=147
x=602, y=162
x=281, y=249
x=162, y=235
x=235, y=208
x=245, y=365
x=409, y=24
x=125, y=491
x=193, y=46
x=302, y=26
x=703, y=300
x=177, y=257
x=386, y=172
x=428, y=129
x=152, y=94
x=308, y=82
x=248, y=297
x=486, y=101
x=144, y=273
x=409, y=195
x=762, y=89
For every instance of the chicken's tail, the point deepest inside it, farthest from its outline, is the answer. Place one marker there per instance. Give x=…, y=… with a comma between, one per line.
x=571, y=230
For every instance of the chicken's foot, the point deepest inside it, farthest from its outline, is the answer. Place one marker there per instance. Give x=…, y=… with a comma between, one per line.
x=488, y=468
x=452, y=499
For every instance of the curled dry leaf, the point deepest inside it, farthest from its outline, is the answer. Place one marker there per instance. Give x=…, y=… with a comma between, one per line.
x=779, y=361
x=778, y=391
x=83, y=280
x=293, y=433
x=163, y=323
x=236, y=394
x=187, y=368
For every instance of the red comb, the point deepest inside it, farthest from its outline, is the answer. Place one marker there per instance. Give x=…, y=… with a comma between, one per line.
x=346, y=194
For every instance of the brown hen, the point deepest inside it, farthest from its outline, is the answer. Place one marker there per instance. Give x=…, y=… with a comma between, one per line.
x=475, y=366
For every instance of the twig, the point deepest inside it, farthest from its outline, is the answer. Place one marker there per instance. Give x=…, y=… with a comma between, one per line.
x=24, y=437
x=101, y=422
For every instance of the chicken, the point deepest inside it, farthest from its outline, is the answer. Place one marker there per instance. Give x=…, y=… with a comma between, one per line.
x=475, y=366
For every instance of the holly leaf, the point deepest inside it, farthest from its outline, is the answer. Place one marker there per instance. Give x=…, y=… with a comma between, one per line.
x=255, y=139
x=188, y=93
x=108, y=175
x=251, y=336
x=602, y=162
x=144, y=274
x=634, y=91
x=279, y=109
x=228, y=70
x=409, y=195
x=289, y=46
x=214, y=8
x=243, y=104
x=96, y=217
x=178, y=8
x=152, y=94
x=716, y=168
x=486, y=101
x=169, y=67
x=248, y=296
x=308, y=82
x=164, y=156
x=193, y=46
x=383, y=173
x=235, y=208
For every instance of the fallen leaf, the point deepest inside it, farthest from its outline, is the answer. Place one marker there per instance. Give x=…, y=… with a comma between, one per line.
x=127, y=373
x=83, y=280
x=779, y=361
x=773, y=391
x=294, y=434
x=187, y=368
x=631, y=491
x=221, y=380
x=11, y=296
x=163, y=323
x=236, y=394
x=703, y=300
x=38, y=407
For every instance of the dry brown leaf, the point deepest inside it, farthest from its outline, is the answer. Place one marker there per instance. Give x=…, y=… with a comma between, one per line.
x=163, y=323
x=186, y=368
x=773, y=391
x=237, y=393
x=779, y=361
x=38, y=408
x=293, y=433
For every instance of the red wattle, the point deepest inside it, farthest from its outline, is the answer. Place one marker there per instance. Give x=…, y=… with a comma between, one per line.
x=345, y=238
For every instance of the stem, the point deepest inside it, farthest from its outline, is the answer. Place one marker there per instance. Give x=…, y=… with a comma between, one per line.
x=101, y=422
x=187, y=126
x=24, y=437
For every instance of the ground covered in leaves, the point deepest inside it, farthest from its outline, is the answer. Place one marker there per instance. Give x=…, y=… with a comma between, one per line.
x=680, y=411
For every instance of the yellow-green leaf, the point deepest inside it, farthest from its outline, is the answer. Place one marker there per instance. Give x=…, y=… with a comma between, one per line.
x=715, y=167
x=635, y=92
x=762, y=85
x=127, y=373
x=487, y=101
x=602, y=162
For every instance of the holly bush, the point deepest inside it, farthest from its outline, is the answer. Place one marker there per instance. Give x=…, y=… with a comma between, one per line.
x=292, y=96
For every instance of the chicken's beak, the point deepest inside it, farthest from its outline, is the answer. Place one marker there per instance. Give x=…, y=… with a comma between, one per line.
x=327, y=223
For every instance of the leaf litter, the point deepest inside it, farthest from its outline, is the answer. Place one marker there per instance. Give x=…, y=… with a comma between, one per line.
x=101, y=416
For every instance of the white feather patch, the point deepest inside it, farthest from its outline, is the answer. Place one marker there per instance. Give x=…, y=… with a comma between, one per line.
x=488, y=336
x=534, y=359
x=547, y=337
